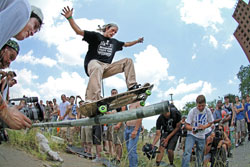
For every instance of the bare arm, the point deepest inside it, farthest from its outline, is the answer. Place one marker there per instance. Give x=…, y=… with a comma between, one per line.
x=3, y=82
x=67, y=13
x=157, y=137
x=140, y=40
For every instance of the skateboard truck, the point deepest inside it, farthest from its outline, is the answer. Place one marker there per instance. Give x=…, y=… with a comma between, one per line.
x=147, y=93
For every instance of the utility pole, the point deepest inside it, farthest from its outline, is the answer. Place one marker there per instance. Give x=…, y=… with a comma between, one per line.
x=171, y=98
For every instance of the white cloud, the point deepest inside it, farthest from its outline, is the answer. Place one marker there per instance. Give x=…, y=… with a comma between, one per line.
x=213, y=41
x=25, y=81
x=228, y=43
x=194, y=57
x=25, y=77
x=189, y=92
x=151, y=66
x=69, y=84
x=205, y=13
x=116, y=82
x=184, y=88
x=230, y=82
x=57, y=31
x=29, y=58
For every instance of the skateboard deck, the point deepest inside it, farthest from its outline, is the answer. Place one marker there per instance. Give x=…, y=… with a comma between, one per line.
x=108, y=163
x=80, y=151
x=117, y=101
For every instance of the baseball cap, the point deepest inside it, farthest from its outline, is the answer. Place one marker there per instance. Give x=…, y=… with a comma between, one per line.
x=37, y=11
x=13, y=44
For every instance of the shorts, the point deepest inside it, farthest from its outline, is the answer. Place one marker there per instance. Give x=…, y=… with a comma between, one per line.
x=86, y=134
x=240, y=125
x=97, y=134
x=110, y=133
x=118, y=135
x=172, y=142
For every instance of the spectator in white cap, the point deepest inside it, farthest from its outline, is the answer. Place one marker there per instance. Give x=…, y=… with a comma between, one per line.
x=19, y=20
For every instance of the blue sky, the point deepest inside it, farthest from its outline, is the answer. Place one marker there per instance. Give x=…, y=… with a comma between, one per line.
x=189, y=49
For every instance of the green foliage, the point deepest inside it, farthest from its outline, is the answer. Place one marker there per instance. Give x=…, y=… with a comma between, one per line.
x=153, y=130
x=212, y=103
x=231, y=98
x=26, y=140
x=244, y=77
x=188, y=106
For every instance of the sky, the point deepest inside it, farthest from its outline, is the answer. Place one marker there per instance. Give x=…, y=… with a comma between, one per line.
x=188, y=49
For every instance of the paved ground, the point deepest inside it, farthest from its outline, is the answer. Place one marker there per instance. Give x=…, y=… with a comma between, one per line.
x=11, y=157
x=241, y=156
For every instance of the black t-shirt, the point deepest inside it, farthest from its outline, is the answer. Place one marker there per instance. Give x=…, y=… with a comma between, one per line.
x=168, y=124
x=100, y=48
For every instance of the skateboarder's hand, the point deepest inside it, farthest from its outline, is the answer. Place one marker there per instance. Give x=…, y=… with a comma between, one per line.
x=67, y=12
x=140, y=40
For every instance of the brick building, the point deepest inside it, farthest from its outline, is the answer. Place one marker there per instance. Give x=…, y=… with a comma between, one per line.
x=242, y=33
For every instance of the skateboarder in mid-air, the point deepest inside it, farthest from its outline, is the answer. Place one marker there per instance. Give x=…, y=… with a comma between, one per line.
x=98, y=61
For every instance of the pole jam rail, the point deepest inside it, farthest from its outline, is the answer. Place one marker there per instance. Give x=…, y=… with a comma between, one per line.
x=142, y=112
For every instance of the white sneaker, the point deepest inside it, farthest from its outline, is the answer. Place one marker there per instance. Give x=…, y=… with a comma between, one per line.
x=97, y=160
x=237, y=145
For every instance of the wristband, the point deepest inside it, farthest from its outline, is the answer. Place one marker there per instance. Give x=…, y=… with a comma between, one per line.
x=70, y=17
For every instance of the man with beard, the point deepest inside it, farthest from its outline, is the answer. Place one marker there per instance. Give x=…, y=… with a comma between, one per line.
x=10, y=115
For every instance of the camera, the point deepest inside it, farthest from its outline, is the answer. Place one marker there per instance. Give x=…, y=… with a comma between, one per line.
x=218, y=137
x=150, y=151
x=31, y=108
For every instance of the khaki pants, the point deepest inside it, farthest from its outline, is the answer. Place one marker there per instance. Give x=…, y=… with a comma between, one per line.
x=98, y=70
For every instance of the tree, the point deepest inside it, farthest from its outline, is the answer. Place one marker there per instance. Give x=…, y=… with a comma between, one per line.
x=188, y=106
x=153, y=130
x=244, y=77
x=212, y=103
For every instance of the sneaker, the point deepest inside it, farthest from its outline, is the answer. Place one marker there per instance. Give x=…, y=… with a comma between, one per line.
x=171, y=165
x=241, y=143
x=136, y=86
x=236, y=145
x=230, y=155
x=97, y=160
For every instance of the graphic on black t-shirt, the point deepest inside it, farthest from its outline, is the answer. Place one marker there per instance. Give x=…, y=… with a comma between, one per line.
x=105, y=48
x=169, y=125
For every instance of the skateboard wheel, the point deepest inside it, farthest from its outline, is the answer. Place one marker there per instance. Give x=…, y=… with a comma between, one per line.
x=102, y=108
x=142, y=103
x=148, y=92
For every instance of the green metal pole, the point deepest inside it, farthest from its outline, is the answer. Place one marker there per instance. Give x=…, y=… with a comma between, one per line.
x=128, y=115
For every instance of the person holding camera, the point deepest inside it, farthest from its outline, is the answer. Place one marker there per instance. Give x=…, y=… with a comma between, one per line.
x=10, y=115
x=167, y=130
x=222, y=115
x=217, y=146
x=199, y=118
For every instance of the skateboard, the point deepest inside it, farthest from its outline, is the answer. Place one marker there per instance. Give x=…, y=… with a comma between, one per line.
x=232, y=136
x=79, y=151
x=113, y=102
x=108, y=163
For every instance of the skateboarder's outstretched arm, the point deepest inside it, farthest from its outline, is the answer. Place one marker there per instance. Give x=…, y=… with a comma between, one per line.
x=140, y=40
x=67, y=13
